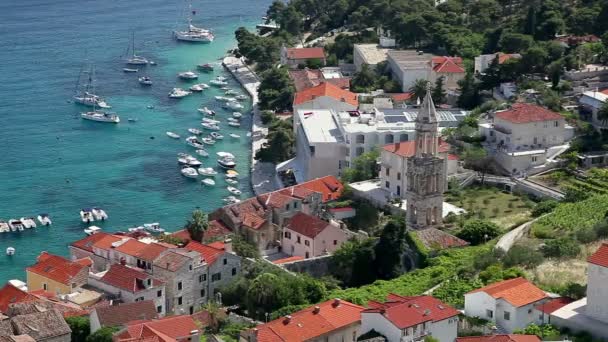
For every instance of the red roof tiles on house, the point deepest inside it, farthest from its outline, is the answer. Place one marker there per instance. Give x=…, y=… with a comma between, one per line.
x=503, y=57
x=401, y=96
x=500, y=338
x=56, y=268
x=208, y=252
x=307, y=225
x=600, y=257
x=520, y=113
x=329, y=186
x=406, y=312
x=306, y=53
x=88, y=262
x=10, y=294
x=433, y=238
x=445, y=64
x=407, y=149
x=288, y=259
x=167, y=329
x=116, y=315
x=553, y=305
x=127, y=278
x=326, y=89
x=518, y=291
x=94, y=240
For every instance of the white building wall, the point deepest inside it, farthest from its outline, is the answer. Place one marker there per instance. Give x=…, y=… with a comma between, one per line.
x=324, y=242
x=292, y=247
x=346, y=334
x=322, y=102
x=130, y=297
x=446, y=330
x=94, y=321
x=476, y=304
x=225, y=264
x=383, y=326
x=410, y=75
x=533, y=135
x=597, y=292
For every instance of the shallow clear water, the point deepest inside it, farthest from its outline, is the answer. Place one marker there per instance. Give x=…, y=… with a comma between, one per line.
x=52, y=161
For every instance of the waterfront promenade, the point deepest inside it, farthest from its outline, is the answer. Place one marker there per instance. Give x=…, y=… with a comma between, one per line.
x=262, y=174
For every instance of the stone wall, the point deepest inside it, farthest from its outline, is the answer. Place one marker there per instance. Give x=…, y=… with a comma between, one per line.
x=316, y=267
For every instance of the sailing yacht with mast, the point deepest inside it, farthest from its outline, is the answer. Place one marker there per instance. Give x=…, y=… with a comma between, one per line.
x=83, y=93
x=193, y=33
x=133, y=58
x=98, y=115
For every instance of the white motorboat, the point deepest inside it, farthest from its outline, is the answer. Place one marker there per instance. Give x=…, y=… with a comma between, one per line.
x=206, y=111
x=153, y=227
x=232, y=174
x=235, y=136
x=234, y=190
x=231, y=181
x=145, y=80
x=218, y=83
x=231, y=200
x=99, y=214
x=221, y=98
x=45, y=219
x=92, y=230
x=230, y=92
x=241, y=97
x=189, y=160
x=204, y=85
x=220, y=78
x=86, y=215
x=134, y=59
x=222, y=154
x=4, y=227
x=189, y=172
x=178, y=93
x=196, y=88
x=188, y=75
x=216, y=136
x=232, y=120
x=193, y=36
x=173, y=135
x=207, y=171
x=234, y=124
x=237, y=115
x=225, y=88
x=28, y=222
x=194, y=142
x=205, y=67
x=202, y=153
x=152, y=62
x=10, y=251
x=136, y=229
x=130, y=70
x=195, y=131
x=208, y=141
x=211, y=121
x=211, y=127
x=208, y=181
x=226, y=163
x=233, y=105
x=16, y=225
x=100, y=116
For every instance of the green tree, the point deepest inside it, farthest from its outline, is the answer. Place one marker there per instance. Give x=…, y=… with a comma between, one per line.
x=197, y=225
x=561, y=248
x=363, y=167
x=276, y=90
x=389, y=250
x=80, y=326
x=469, y=92
x=245, y=249
x=291, y=20
x=102, y=335
x=438, y=94
x=522, y=255
x=344, y=264
x=478, y=231
x=279, y=146
x=216, y=315
x=544, y=207
x=602, y=113
x=262, y=294
x=419, y=88
x=477, y=158
x=275, y=11
x=364, y=80
x=512, y=42
x=492, y=76
x=546, y=331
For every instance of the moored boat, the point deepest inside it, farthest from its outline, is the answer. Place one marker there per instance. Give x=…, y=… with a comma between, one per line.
x=194, y=142
x=92, y=230
x=189, y=172
x=202, y=153
x=10, y=251
x=208, y=181
x=235, y=136
x=188, y=75
x=211, y=127
x=178, y=93
x=216, y=136
x=15, y=225
x=28, y=222
x=206, y=111
x=45, y=219
x=145, y=80
x=208, y=141
x=172, y=135
x=234, y=190
x=205, y=67
x=86, y=215
x=226, y=163
x=195, y=131
x=4, y=227
x=207, y=171
x=130, y=70
x=99, y=214
x=100, y=116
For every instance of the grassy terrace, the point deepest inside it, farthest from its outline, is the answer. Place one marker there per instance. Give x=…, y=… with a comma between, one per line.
x=596, y=181
x=503, y=208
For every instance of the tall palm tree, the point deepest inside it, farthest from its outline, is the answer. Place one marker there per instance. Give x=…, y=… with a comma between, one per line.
x=197, y=225
x=419, y=88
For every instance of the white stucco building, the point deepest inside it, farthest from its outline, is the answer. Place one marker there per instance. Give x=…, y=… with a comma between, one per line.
x=408, y=319
x=326, y=95
x=592, y=102
x=308, y=236
x=370, y=54
x=482, y=62
x=509, y=303
x=407, y=66
x=526, y=137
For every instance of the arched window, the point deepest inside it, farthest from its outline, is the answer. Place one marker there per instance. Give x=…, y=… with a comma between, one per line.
x=360, y=139
x=389, y=139
x=403, y=137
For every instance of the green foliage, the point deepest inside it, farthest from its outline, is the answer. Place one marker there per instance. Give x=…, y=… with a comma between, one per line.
x=280, y=144
x=544, y=207
x=523, y=255
x=276, y=90
x=478, y=231
x=233, y=330
x=102, y=335
x=419, y=89
x=452, y=291
x=469, y=92
x=363, y=167
x=364, y=80
x=561, y=248
x=438, y=93
x=389, y=250
x=287, y=310
x=567, y=218
x=245, y=249
x=197, y=225
x=80, y=326
x=264, y=51
x=267, y=117
x=546, y=331
x=344, y=264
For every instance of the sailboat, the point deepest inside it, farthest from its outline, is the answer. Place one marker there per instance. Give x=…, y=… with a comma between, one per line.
x=83, y=93
x=193, y=33
x=133, y=58
x=98, y=115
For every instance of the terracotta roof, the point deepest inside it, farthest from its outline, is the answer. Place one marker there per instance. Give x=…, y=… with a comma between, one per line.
x=10, y=294
x=401, y=96
x=518, y=291
x=128, y=278
x=406, y=312
x=275, y=199
x=88, y=242
x=171, y=261
x=130, y=247
x=116, y=315
x=66, y=309
x=329, y=186
x=448, y=64
x=165, y=329
x=16, y=338
x=41, y=325
x=605, y=91
x=56, y=268
x=407, y=149
x=433, y=238
x=600, y=257
x=553, y=305
x=209, y=253
x=500, y=338
x=310, y=323
x=88, y=262
x=526, y=113
x=288, y=259
x=305, y=53
x=204, y=319
x=326, y=89
x=503, y=57
x=306, y=225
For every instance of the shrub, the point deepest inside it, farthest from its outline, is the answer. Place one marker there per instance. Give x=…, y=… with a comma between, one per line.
x=267, y=117
x=544, y=207
x=561, y=248
x=586, y=235
x=601, y=229
x=478, y=231
x=542, y=232
x=522, y=255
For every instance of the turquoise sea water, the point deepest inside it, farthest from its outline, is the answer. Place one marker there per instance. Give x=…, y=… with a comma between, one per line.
x=52, y=161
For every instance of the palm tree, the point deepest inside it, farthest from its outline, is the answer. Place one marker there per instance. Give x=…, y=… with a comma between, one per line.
x=419, y=88
x=262, y=293
x=216, y=315
x=197, y=225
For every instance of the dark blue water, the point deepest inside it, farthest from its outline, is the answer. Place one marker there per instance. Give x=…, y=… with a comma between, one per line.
x=53, y=161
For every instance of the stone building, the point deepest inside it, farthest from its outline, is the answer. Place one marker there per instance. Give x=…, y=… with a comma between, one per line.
x=425, y=171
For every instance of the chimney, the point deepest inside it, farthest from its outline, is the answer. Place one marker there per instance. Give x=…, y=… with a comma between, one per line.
x=336, y=302
x=316, y=310
x=287, y=319
x=193, y=332
x=228, y=245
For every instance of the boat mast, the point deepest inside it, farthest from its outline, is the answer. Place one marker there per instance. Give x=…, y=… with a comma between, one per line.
x=77, y=86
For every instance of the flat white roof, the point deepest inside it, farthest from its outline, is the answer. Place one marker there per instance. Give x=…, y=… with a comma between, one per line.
x=319, y=126
x=527, y=153
x=596, y=95
x=372, y=53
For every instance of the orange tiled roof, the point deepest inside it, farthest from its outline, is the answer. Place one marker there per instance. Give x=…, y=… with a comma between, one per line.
x=10, y=294
x=306, y=225
x=500, y=338
x=326, y=89
x=306, y=53
x=448, y=64
x=56, y=268
x=128, y=278
x=100, y=240
x=600, y=257
x=526, y=113
x=166, y=329
x=288, y=259
x=310, y=323
x=517, y=291
x=329, y=186
x=434, y=238
x=503, y=57
x=88, y=262
x=405, y=312
x=553, y=305
x=208, y=252
x=407, y=149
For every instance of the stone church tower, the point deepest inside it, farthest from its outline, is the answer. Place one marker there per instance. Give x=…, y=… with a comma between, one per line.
x=425, y=171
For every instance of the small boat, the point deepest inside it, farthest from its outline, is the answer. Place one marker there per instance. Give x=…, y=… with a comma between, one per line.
x=172, y=135
x=218, y=83
x=92, y=230
x=178, y=93
x=4, y=227
x=208, y=141
x=15, y=225
x=237, y=115
x=241, y=97
x=230, y=92
x=234, y=190
x=221, y=98
x=225, y=88
x=209, y=126
x=205, y=67
x=231, y=181
x=234, y=124
x=196, y=88
x=152, y=62
x=86, y=215
x=226, y=163
x=44, y=219
x=188, y=75
x=194, y=142
x=132, y=119
x=202, y=153
x=231, y=200
x=232, y=120
x=207, y=171
x=189, y=172
x=216, y=136
x=10, y=251
x=145, y=80
x=220, y=78
x=153, y=227
x=100, y=116
x=189, y=160
x=129, y=70
x=99, y=214
x=150, y=106
x=206, y=111
x=28, y=222
x=233, y=105
x=211, y=121
x=232, y=174
x=208, y=181
x=136, y=229
x=134, y=59
x=235, y=136
x=222, y=154
x=195, y=131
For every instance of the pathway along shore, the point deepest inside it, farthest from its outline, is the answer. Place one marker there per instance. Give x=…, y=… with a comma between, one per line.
x=262, y=173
